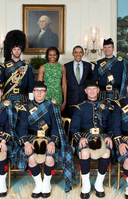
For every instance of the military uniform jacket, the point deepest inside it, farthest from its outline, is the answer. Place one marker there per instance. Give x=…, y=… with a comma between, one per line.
x=116, y=70
x=90, y=114
x=119, y=121
x=5, y=124
x=27, y=80
x=49, y=118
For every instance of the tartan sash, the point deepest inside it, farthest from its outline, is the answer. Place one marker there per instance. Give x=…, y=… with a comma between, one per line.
x=99, y=113
x=12, y=68
x=42, y=110
x=10, y=79
x=124, y=115
x=108, y=65
x=124, y=83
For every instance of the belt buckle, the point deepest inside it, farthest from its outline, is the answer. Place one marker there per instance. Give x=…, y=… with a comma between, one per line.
x=95, y=131
x=41, y=133
x=108, y=87
x=16, y=90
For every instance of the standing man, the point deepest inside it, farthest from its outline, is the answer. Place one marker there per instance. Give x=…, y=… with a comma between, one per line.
x=42, y=118
x=17, y=77
x=111, y=73
x=94, y=139
x=45, y=37
x=77, y=72
x=120, y=130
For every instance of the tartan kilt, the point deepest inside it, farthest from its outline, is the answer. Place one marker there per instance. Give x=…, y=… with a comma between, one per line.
x=88, y=136
x=122, y=158
x=19, y=158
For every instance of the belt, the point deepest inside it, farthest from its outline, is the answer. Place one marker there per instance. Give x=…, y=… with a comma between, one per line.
x=40, y=133
x=125, y=133
x=94, y=130
x=110, y=87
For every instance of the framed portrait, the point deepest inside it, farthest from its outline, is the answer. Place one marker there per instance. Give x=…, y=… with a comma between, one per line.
x=44, y=26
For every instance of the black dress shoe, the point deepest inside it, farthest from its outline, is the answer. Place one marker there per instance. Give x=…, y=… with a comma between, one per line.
x=36, y=195
x=126, y=196
x=84, y=195
x=3, y=194
x=100, y=194
x=45, y=195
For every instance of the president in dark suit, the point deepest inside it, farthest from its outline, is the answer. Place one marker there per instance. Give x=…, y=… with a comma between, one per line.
x=77, y=72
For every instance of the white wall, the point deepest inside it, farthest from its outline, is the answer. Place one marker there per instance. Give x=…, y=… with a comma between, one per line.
x=80, y=16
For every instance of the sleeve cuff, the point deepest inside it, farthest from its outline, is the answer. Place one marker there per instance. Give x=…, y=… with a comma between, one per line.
x=118, y=141
x=55, y=139
x=6, y=137
x=23, y=139
x=77, y=136
x=110, y=134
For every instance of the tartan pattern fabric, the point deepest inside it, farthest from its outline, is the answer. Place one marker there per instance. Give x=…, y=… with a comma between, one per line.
x=123, y=90
x=63, y=156
x=114, y=94
x=124, y=117
x=12, y=69
x=99, y=110
x=13, y=142
x=102, y=70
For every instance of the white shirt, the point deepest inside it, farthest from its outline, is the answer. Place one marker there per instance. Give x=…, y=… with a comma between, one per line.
x=81, y=68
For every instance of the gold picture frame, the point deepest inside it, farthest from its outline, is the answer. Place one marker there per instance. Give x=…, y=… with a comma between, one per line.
x=53, y=34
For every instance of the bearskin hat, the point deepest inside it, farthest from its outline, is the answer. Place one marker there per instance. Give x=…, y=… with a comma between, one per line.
x=14, y=38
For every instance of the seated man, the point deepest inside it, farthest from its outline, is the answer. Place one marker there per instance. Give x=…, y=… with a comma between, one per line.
x=120, y=131
x=93, y=118
x=4, y=138
x=37, y=117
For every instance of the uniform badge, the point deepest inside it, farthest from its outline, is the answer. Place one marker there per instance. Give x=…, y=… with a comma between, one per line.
x=103, y=63
x=53, y=101
x=33, y=110
x=6, y=103
x=102, y=106
x=9, y=64
x=120, y=58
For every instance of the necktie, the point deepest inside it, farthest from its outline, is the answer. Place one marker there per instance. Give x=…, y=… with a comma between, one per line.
x=78, y=73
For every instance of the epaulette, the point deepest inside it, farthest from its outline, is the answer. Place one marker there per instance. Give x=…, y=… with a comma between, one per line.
x=120, y=58
x=53, y=101
x=26, y=61
x=1, y=64
x=82, y=103
x=75, y=106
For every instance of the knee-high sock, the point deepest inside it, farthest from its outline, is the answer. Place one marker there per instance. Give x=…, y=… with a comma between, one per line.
x=85, y=165
x=103, y=164
x=34, y=170
x=49, y=170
